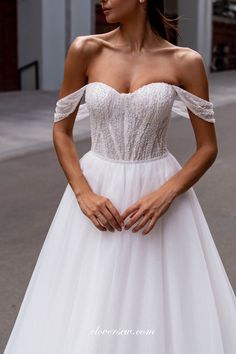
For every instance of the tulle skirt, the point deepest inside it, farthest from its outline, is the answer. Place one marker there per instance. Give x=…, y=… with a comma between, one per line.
x=105, y=292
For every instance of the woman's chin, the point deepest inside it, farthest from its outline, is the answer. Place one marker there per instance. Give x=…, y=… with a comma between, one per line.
x=111, y=19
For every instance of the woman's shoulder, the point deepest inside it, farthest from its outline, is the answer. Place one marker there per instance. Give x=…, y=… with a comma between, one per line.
x=81, y=51
x=89, y=44
x=186, y=54
x=79, y=54
x=181, y=56
x=187, y=60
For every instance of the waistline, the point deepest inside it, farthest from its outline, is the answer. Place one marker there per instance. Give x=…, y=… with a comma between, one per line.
x=165, y=154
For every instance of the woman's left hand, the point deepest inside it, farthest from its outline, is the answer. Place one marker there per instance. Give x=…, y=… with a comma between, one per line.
x=148, y=209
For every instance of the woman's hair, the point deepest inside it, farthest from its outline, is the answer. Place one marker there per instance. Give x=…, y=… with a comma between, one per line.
x=160, y=24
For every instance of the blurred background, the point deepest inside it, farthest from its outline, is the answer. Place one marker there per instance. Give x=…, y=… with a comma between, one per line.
x=34, y=39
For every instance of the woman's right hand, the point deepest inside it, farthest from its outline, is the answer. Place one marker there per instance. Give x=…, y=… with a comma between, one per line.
x=101, y=211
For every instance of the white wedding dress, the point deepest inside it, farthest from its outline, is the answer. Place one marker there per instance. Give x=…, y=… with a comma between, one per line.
x=166, y=292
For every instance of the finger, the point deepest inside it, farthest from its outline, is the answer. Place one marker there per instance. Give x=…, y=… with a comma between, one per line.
x=129, y=210
x=117, y=220
x=103, y=217
x=142, y=223
x=129, y=220
x=97, y=223
x=110, y=218
x=150, y=226
x=135, y=217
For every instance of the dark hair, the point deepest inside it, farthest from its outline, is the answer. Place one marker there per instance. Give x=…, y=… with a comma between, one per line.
x=161, y=24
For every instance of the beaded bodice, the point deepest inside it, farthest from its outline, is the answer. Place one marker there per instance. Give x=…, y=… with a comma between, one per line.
x=132, y=126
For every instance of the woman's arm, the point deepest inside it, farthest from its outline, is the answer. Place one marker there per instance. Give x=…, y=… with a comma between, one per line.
x=153, y=205
x=99, y=209
x=194, y=80
x=74, y=78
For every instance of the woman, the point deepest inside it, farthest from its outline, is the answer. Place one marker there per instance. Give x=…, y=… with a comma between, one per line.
x=99, y=285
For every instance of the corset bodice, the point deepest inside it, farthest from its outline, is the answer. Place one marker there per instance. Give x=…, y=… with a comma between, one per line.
x=132, y=126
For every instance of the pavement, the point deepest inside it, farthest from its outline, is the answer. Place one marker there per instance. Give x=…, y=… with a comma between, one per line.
x=32, y=183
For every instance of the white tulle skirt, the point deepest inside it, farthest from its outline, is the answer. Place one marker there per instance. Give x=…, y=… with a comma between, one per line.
x=96, y=292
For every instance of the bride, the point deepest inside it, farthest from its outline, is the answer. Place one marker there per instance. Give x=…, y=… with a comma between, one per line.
x=129, y=265
x=135, y=55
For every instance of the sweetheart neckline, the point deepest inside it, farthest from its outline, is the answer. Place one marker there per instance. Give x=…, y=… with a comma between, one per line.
x=129, y=93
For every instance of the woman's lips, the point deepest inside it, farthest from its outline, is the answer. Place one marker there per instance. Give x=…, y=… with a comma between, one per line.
x=106, y=11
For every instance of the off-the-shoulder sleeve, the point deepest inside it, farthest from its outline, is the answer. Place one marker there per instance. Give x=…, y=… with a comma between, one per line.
x=66, y=105
x=202, y=108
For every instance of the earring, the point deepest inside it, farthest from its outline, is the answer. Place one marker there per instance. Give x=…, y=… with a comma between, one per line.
x=143, y=2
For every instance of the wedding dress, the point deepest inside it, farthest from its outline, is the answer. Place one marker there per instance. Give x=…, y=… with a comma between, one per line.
x=105, y=292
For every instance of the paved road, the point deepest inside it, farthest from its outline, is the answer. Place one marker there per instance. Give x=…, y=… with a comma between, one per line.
x=32, y=185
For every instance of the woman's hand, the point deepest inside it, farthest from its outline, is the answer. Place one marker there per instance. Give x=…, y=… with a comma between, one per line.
x=100, y=210
x=149, y=209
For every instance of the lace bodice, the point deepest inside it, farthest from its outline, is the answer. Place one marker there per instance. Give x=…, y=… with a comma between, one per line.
x=132, y=126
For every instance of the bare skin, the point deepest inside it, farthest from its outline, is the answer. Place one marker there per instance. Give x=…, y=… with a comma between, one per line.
x=126, y=59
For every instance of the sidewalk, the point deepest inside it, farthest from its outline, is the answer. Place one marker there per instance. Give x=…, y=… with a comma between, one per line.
x=27, y=116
